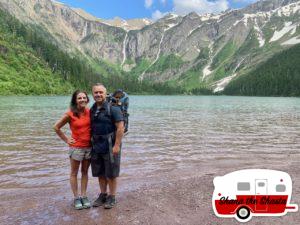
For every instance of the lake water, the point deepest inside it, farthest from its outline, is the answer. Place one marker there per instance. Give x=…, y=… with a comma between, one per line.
x=167, y=133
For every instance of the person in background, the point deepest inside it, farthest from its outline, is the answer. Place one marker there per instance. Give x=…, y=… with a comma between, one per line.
x=107, y=126
x=78, y=117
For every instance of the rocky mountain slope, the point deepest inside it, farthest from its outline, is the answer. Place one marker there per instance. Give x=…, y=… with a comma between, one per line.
x=194, y=50
x=132, y=24
x=278, y=76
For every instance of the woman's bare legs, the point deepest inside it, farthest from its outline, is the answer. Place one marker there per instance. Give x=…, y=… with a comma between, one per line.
x=73, y=176
x=84, y=175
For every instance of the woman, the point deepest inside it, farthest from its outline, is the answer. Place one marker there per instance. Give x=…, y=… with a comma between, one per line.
x=79, y=143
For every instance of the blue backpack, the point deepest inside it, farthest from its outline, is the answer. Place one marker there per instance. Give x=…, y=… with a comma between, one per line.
x=120, y=98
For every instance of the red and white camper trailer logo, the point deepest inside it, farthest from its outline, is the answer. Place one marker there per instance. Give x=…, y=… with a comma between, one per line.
x=253, y=192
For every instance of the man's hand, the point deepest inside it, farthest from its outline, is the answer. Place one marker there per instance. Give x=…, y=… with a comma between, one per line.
x=119, y=135
x=116, y=149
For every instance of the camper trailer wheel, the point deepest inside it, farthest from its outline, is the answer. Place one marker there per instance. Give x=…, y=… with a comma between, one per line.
x=243, y=213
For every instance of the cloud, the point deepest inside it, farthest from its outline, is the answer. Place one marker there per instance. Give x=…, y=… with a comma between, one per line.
x=163, y=1
x=148, y=3
x=245, y=1
x=158, y=14
x=183, y=7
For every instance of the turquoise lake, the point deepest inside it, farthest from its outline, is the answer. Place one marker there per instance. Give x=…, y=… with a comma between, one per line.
x=168, y=135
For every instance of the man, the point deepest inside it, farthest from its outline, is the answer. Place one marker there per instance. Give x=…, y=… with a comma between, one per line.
x=107, y=129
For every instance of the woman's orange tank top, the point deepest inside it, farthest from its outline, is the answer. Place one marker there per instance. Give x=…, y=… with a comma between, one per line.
x=81, y=129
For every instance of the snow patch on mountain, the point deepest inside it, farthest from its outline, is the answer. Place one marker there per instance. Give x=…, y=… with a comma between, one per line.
x=209, y=16
x=170, y=26
x=292, y=41
x=286, y=29
x=281, y=11
x=259, y=33
x=216, y=17
x=221, y=84
x=172, y=16
x=206, y=71
x=248, y=16
x=236, y=23
x=296, y=7
x=147, y=22
x=191, y=31
x=205, y=17
x=288, y=9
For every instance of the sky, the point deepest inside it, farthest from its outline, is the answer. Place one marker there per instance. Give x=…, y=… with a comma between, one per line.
x=152, y=9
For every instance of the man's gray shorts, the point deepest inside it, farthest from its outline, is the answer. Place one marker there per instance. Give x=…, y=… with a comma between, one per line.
x=80, y=154
x=102, y=166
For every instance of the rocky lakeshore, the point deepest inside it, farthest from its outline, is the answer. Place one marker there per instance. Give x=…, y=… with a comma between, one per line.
x=171, y=198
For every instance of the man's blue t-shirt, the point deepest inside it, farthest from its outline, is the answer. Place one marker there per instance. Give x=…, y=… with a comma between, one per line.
x=103, y=123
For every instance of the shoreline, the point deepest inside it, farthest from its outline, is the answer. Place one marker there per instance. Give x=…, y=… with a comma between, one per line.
x=172, y=199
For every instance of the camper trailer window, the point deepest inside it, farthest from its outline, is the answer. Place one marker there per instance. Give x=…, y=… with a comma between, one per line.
x=243, y=186
x=280, y=188
x=261, y=184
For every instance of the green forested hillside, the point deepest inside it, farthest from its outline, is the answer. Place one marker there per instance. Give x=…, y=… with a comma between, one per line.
x=30, y=65
x=278, y=76
x=21, y=71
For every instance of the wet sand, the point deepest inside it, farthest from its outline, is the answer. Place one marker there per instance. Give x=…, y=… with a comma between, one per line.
x=180, y=196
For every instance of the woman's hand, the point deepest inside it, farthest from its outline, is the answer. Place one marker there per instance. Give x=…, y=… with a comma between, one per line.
x=70, y=141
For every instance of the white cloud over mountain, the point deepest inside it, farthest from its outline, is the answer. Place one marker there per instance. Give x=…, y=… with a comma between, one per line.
x=158, y=14
x=148, y=3
x=183, y=7
x=245, y=1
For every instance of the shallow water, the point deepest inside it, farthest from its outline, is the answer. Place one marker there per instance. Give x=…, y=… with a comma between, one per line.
x=167, y=133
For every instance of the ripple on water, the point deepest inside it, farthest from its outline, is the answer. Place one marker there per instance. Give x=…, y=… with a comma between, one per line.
x=166, y=133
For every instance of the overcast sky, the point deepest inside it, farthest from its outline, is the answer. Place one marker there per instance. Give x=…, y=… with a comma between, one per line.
x=153, y=9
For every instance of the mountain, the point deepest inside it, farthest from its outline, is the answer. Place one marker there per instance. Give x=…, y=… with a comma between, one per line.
x=278, y=76
x=72, y=32
x=193, y=51
x=132, y=24
x=22, y=71
x=30, y=64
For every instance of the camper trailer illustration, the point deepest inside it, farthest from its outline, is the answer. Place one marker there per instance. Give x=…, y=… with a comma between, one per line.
x=253, y=192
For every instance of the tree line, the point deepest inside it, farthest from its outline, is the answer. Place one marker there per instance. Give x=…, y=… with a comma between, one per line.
x=278, y=76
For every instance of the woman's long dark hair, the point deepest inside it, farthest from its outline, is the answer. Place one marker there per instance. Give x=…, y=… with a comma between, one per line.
x=73, y=104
